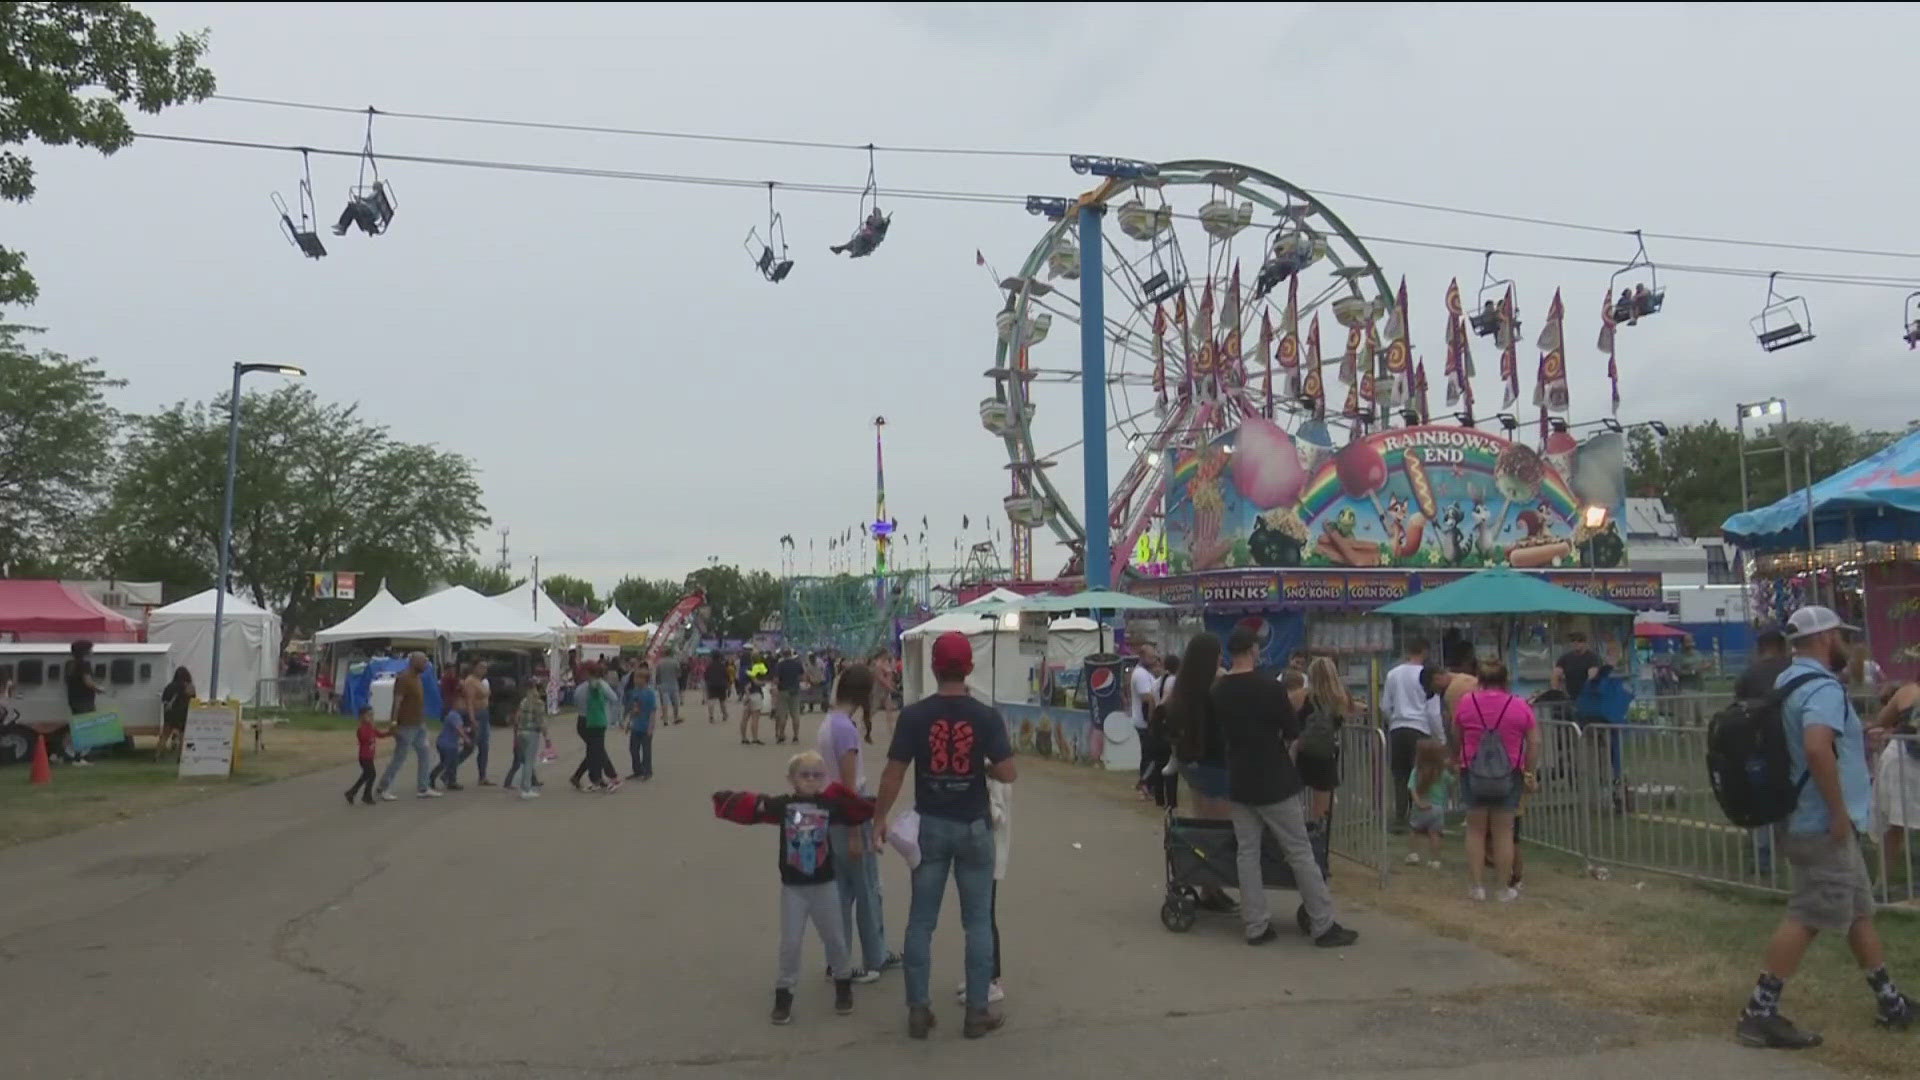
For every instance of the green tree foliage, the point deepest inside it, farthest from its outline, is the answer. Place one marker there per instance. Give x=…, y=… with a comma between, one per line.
x=571, y=591
x=1696, y=468
x=65, y=71
x=486, y=579
x=318, y=488
x=56, y=438
x=644, y=600
x=737, y=603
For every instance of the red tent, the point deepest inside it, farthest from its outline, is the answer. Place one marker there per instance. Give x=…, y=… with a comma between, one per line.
x=56, y=611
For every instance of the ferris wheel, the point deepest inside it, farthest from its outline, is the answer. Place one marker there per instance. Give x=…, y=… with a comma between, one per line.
x=1202, y=261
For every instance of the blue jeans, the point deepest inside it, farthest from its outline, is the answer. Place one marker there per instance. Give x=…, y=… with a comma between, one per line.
x=859, y=881
x=526, y=751
x=965, y=848
x=404, y=739
x=482, y=742
x=640, y=748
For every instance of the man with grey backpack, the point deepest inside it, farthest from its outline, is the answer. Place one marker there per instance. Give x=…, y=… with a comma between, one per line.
x=1826, y=804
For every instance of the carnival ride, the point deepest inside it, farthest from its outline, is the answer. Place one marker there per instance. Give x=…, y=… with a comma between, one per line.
x=1200, y=318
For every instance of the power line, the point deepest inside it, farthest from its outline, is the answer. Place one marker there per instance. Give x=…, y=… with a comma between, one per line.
x=817, y=144
x=982, y=197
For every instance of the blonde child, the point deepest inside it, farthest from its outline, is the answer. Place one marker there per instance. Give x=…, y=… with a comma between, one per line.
x=1431, y=786
x=807, y=888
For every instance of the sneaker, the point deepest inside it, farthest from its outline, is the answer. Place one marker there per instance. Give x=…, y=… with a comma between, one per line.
x=367, y=798
x=782, y=1007
x=1896, y=1017
x=349, y=798
x=1478, y=893
x=529, y=794
x=389, y=796
x=863, y=976
x=456, y=787
x=1773, y=1032
x=843, y=996
x=995, y=994
x=919, y=1021
x=577, y=785
x=429, y=793
x=1264, y=936
x=1413, y=858
x=892, y=961
x=613, y=786
x=981, y=1022
x=1433, y=864
x=1509, y=895
x=1336, y=937
x=635, y=776
x=484, y=782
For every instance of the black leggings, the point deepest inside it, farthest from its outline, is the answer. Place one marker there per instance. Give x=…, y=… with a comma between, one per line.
x=1154, y=752
x=364, y=785
x=1402, y=745
x=597, y=767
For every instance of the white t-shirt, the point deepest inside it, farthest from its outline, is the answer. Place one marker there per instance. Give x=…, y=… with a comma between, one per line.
x=1404, y=702
x=1144, y=685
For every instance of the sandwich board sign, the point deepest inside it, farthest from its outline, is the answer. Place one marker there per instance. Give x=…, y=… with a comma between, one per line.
x=212, y=741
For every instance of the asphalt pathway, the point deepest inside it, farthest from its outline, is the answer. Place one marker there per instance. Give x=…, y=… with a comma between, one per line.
x=277, y=932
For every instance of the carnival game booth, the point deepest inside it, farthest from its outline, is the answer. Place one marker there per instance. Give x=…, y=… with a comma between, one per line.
x=1851, y=542
x=249, y=646
x=1521, y=620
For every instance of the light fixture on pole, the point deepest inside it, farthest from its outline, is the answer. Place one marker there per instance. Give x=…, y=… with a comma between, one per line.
x=1594, y=518
x=1508, y=421
x=225, y=554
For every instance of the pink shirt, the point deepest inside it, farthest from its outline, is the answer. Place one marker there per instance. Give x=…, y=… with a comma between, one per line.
x=1493, y=710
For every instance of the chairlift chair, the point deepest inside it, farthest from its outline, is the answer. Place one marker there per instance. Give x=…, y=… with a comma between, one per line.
x=1785, y=322
x=303, y=234
x=1631, y=304
x=370, y=203
x=1912, y=321
x=1487, y=322
x=774, y=266
x=872, y=230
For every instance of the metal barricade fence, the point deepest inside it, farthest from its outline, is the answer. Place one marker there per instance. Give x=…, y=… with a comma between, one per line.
x=1363, y=804
x=1896, y=819
x=1555, y=816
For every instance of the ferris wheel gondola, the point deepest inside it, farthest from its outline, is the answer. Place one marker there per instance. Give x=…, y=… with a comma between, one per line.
x=1182, y=366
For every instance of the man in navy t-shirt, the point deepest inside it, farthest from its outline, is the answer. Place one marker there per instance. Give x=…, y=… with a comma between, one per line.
x=954, y=743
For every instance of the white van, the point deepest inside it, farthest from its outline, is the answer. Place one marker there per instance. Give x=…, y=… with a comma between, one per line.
x=130, y=677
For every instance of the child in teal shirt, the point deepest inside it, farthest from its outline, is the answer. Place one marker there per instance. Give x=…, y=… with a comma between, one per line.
x=1431, y=786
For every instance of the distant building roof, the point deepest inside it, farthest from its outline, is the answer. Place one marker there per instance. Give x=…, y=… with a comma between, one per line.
x=1650, y=519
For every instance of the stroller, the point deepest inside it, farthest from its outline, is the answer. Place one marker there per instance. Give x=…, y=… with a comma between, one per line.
x=1201, y=853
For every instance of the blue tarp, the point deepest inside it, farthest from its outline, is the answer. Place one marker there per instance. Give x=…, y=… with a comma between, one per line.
x=1875, y=499
x=359, y=685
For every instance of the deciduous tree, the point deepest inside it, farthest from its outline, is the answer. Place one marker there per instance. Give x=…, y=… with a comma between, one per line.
x=56, y=438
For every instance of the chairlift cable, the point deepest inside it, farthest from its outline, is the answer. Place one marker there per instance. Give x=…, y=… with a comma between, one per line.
x=871, y=148
x=1001, y=199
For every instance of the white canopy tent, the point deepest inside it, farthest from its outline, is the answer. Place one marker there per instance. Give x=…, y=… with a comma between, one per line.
x=380, y=617
x=249, y=646
x=461, y=615
x=607, y=633
x=613, y=621
x=530, y=602
x=1000, y=672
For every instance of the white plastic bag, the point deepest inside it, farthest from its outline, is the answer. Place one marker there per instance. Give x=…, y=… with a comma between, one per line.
x=903, y=836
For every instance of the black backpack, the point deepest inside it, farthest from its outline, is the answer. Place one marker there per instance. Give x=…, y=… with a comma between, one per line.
x=1748, y=761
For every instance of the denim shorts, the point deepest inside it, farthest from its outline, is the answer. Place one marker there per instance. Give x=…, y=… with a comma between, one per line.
x=1207, y=780
x=1511, y=802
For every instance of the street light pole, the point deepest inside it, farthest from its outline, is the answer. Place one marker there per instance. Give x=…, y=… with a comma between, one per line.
x=226, y=512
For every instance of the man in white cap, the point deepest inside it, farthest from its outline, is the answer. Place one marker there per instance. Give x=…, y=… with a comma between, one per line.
x=1826, y=745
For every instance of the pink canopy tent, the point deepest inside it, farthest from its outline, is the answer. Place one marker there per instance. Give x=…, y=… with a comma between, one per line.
x=56, y=611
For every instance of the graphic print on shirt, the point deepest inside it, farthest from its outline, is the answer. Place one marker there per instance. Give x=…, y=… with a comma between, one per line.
x=950, y=749
x=804, y=838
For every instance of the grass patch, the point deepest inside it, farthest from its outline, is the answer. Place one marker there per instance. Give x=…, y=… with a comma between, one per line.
x=119, y=788
x=1659, y=947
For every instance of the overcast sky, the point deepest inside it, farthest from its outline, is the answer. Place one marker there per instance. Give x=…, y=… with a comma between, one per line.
x=637, y=399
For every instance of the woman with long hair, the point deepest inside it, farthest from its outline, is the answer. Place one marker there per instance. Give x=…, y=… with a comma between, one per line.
x=1197, y=739
x=1491, y=712
x=174, y=702
x=1323, y=709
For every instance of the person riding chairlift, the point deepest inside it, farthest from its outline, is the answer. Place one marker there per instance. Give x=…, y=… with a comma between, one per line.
x=871, y=232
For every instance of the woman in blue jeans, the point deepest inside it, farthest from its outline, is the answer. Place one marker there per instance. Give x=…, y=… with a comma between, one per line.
x=855, y=866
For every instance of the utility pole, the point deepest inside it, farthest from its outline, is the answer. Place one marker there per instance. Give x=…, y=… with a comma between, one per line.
x=504, y=562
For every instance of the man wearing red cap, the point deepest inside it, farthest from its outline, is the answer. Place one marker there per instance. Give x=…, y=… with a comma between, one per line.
x=954, y=743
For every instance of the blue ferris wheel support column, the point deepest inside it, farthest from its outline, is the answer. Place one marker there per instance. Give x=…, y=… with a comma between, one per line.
x=1097, y=560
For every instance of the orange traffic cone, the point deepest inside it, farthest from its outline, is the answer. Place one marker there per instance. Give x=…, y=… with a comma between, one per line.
x=42, y=773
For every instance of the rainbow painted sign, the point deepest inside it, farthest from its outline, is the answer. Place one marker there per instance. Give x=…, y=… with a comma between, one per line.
x=1410, y=497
